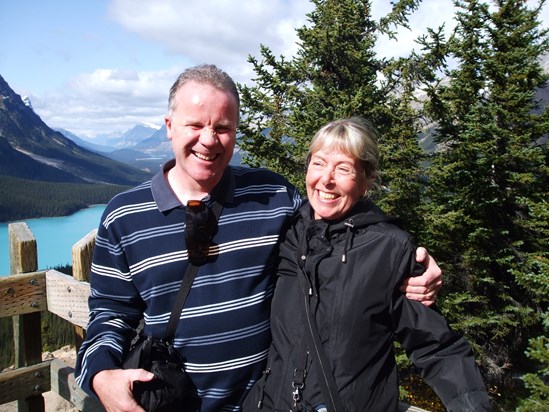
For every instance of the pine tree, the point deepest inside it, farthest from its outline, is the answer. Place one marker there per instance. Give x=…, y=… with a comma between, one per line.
x=335, y=74
x=488, y=180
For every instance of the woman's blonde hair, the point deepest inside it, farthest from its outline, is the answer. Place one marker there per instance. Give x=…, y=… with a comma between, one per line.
x=355, y=137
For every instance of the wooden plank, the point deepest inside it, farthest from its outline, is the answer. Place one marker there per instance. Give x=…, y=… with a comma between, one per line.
x=82, y=253
x=26, y=382
x=23, y=255
x=27, y=333
x=67, y=297
x=63, y=383
x=24, y=293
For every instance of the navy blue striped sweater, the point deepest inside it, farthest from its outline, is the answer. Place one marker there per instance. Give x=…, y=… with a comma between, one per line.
x=140, y=257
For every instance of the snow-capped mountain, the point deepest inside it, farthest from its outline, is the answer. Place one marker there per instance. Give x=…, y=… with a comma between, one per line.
x=30, y=149
x=125, y=139
x=27, y=102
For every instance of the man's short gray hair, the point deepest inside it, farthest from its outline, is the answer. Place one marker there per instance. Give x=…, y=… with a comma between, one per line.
x=205, y=74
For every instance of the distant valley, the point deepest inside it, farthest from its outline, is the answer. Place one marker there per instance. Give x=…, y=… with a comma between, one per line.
x=143, y=146
x=46, y=172
x=43, y=173
x=30, y=149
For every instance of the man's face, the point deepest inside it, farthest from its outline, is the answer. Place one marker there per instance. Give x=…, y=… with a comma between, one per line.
x=202, y=129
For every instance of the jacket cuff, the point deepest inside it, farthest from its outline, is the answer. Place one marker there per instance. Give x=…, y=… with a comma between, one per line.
x=477, y=401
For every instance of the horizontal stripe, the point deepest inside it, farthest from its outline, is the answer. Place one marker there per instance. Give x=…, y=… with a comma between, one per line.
x=226, y=365
x=139, y=260
x=126, y=210
x=212, y=309
x=224, y=337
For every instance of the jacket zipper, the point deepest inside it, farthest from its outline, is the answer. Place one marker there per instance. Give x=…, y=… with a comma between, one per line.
x=311, y=330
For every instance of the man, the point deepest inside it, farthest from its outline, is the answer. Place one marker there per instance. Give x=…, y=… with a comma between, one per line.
x=141, y=254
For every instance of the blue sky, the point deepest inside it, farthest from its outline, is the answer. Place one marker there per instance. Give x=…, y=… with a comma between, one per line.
x=100, y=66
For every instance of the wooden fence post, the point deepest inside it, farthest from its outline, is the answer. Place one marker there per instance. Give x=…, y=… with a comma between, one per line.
x=82, y=253
x=27, y=329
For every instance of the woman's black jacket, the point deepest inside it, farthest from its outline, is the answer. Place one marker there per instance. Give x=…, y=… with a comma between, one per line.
x=353, y=268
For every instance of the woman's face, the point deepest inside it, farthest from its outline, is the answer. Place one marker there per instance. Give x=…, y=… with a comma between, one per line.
x=335, y=182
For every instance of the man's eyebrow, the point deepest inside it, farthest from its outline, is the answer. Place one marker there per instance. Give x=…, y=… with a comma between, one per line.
x=228, y=125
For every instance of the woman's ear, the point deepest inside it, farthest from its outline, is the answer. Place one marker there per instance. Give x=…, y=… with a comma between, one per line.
x=370, y=183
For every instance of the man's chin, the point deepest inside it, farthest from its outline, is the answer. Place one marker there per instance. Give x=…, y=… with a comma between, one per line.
x=208, y=178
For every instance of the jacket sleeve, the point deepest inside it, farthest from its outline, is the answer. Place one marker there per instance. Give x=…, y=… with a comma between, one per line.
x=288, y=249
x=115, y=310
x=445, y=360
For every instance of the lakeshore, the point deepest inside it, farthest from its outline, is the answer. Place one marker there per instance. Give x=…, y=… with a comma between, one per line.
x=54, y=236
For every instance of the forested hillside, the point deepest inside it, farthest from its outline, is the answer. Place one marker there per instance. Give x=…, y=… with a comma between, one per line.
x=25, y=199
x=479, y=200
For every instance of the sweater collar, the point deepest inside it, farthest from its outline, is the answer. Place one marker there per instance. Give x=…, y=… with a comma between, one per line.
x=166, y=199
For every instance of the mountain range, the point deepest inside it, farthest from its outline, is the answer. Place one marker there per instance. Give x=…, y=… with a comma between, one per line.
x=30, y=149
x=144, y=146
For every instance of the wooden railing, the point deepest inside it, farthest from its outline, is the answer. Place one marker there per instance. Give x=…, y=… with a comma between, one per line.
x=24, y=294
x=27, y=292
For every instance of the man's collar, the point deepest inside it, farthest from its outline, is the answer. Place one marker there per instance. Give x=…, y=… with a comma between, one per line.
x=166, y=199
x=224, y=191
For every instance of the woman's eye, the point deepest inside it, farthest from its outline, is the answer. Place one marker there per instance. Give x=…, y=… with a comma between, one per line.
x=343, y=170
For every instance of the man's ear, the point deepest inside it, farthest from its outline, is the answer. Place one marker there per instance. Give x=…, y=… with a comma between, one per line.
x=168, y=122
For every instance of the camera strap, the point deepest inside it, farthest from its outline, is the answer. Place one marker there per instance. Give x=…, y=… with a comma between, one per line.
x=186, y=284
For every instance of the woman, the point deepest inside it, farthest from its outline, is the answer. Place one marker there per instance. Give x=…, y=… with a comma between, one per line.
x=340, y=266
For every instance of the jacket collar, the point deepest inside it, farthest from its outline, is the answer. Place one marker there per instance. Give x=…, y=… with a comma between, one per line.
x=364, y=213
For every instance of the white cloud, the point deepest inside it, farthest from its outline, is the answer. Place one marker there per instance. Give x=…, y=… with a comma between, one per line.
x=107, y=100
x=221, y=32
x=196, y=31
x=431, y=13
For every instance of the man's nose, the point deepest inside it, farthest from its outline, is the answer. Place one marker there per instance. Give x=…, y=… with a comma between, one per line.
x=208, y=136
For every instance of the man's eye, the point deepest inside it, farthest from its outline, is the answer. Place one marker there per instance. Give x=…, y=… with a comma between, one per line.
x=222, y=129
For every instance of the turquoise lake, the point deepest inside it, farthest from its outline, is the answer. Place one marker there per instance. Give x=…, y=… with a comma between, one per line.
x=54, y=236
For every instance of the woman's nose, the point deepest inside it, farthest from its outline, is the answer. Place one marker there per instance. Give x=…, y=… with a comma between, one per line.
x=327, y=175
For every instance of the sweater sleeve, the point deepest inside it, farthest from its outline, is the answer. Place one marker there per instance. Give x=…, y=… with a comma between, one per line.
x=445, y=360
x=115, y=310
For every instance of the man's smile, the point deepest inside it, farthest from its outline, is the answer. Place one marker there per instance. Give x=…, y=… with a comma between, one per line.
x=205, y=157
